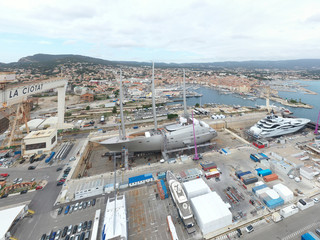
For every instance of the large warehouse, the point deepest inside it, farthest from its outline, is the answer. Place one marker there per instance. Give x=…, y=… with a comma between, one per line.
x=39, y=141
x=211, y=213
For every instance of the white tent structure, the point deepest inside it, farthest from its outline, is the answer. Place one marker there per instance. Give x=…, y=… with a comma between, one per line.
x=8, y=216
x=285, y=193
x=196, y=188
x=211, y=213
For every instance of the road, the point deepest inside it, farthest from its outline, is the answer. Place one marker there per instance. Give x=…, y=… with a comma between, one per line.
x=290, y=228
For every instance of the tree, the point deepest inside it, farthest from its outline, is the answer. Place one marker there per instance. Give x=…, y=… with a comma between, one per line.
x=197, y=105
x=88, y=108
x=114, y=110
x=171, y=116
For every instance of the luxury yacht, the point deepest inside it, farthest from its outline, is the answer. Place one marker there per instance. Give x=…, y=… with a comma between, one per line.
x=169, y=137
x=273, y=126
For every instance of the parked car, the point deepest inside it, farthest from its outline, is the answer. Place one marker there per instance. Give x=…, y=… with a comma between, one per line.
x=31, y=167
x=33, y=179
x=67, y=237
x=75, y=228
x=76, y=206
x=64, y=232
x=59, y=183
x=82, y=236
x=69, y=229
x=24, y=191
x=44, y=236
x=71, y=209
x=84, y=226
x=249, y=229
x=20, y=180
x=52, y=236
x=58, y=235
x=84, y=205
x=60, y=210
x=89, y=225
x=67, y=209
x=316, y=200
x=89, y=203
x=4, y=195
x=93, y=202
x=79, y=227
x=80, y=205
x=87, y=236
x=39, y=187
x=72, y=159
x=59, y=169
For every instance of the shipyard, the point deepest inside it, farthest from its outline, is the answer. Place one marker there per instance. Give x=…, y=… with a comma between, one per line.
x=162, y=171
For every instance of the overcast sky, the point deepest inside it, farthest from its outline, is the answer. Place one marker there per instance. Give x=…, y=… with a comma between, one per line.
x=164, y=30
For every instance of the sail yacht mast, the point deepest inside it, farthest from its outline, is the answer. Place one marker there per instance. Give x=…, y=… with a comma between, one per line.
x=154, y=100
x=184, y=95
x=121, y=109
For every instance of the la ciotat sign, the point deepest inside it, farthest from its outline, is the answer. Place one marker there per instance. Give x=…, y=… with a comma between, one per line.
x=25, y=90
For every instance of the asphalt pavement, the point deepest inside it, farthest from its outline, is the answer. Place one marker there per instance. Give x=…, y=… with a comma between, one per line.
x=290, y=228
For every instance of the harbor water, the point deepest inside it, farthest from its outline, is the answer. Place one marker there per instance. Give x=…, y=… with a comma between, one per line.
x=211, y=95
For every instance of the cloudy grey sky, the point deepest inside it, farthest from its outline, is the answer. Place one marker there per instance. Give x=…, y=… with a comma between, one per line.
x=164, y=30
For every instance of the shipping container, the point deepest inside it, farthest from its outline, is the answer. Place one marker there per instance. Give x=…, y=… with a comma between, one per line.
x=270, y=177
x=264, y=156
x=141, y=179
x=208, y=166
x=265, y=172
x=212, y=174
x=255, y=157
x=250, y=180
x=163, y=193
x=243, y=173
x=161, y=175
x=309, y=236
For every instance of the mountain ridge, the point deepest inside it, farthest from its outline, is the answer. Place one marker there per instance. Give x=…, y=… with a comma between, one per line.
x=42, y=60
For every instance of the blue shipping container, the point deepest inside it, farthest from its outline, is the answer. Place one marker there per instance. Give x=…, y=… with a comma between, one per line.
x=273, y=203
x=162, y=175
x=255, y=157
x=140, y=178
x=164, y=188
x=265, y=172
x=17, y=152
x=258, y=170
x=50, y=157
x=309, y=236
x=264, y=156
x=243, y=173
x=254, y=189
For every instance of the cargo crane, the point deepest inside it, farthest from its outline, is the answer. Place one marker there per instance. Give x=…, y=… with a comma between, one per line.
x=16, y=94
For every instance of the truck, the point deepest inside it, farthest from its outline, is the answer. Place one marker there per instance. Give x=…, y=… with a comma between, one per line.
x=309, y=236
x=102, y=119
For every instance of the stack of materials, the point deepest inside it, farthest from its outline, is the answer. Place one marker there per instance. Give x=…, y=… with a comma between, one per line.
x=285, y=193
x=163, y=192
x=211, y=212
x=259, y=187
x=305, y=203
x=208, y=166
x=270, y=177
x=196, y=188
x=272, y=199
x=248, y=179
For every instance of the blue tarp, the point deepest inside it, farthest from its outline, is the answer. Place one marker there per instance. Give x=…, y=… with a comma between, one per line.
x=140, y=178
